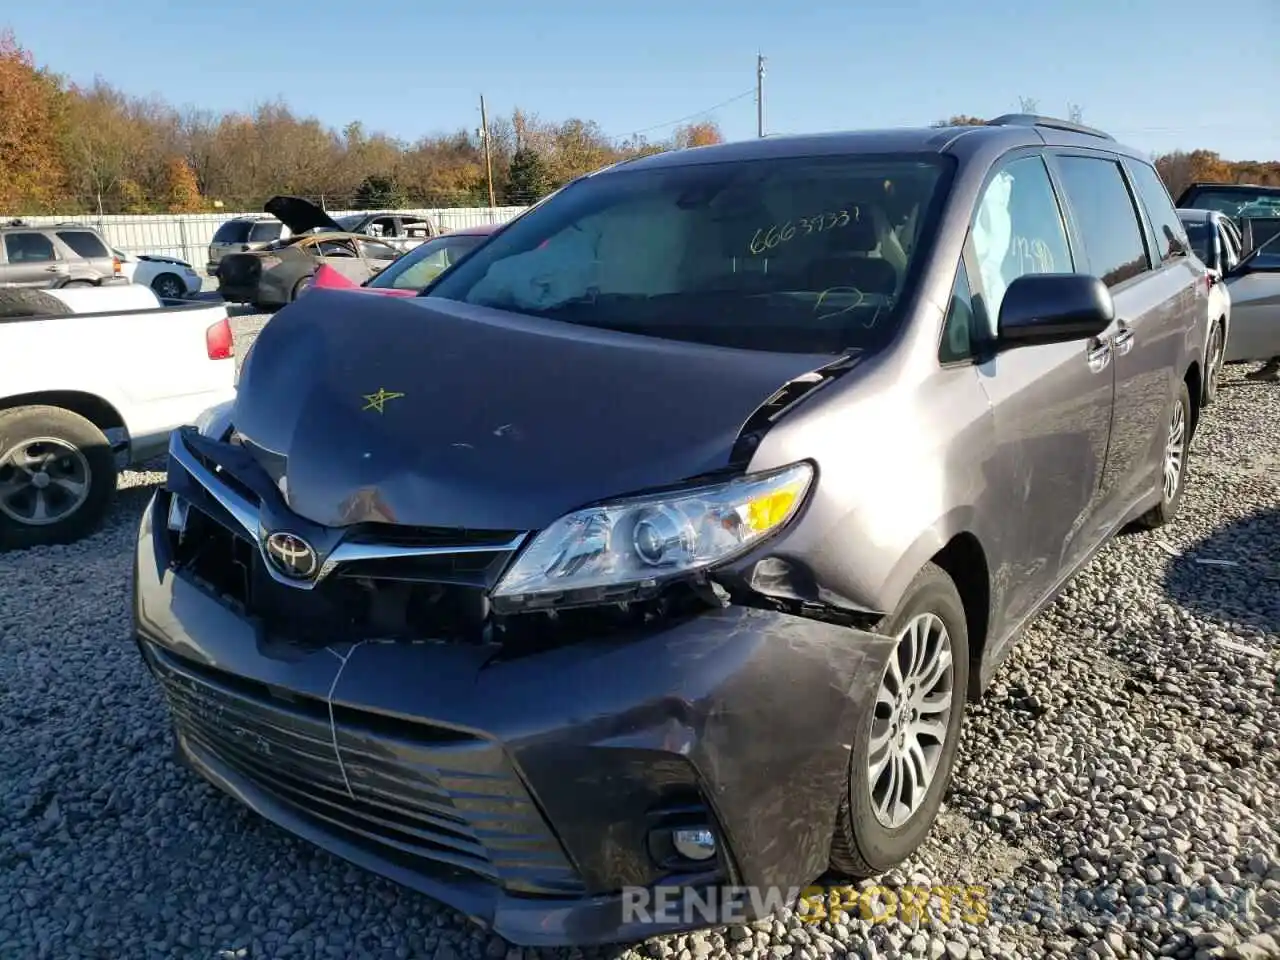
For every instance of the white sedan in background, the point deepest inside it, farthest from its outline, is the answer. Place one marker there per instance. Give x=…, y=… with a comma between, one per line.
x=169, y=277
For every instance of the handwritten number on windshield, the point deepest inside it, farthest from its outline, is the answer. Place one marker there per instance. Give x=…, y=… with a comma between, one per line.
x=766, y=238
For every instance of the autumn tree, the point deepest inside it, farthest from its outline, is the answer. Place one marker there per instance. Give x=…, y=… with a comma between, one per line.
x=31, y=171
x=697, y=135
x=580, y=147
x=181, y=190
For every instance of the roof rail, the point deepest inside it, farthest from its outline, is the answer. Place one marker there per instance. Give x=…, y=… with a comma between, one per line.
x=1052, y=123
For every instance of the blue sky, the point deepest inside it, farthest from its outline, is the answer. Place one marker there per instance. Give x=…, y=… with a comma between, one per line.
x=410, y=67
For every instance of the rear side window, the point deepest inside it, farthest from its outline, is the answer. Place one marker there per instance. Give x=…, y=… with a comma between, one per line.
x=1170, y=233
x=28, y=248
x=233, y=231
x=264, y=232
x=1106, y=217
x=84, y=243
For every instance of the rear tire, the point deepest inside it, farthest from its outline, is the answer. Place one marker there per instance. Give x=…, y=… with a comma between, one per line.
x=29, y=302
x=79, y=283
x=864, y=844
x=57, y=476
x=1175, y=465
x=301, y=287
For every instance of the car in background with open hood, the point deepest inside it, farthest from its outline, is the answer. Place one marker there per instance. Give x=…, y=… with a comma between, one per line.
x=403, y=231
x=417, y=268
x=281, y=272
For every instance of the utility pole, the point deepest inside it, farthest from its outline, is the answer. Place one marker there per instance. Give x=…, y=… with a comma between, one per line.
x=488, y=158
x=759, y=95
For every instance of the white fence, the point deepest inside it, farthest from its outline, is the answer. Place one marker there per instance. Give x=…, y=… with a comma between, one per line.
x=187, y=235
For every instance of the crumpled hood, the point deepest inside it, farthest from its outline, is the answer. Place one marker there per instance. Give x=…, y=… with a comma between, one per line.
x=428, y=412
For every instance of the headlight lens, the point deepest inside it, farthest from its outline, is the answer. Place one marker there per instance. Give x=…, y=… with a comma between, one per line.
x=641, y=541
x=215, y=421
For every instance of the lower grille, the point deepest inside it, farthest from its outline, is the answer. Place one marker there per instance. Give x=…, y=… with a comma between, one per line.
x=432, y=598
x=428, y=797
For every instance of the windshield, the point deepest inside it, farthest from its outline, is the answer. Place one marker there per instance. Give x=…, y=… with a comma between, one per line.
x=1200, y=233
x=350, y=221
x=803, y=255
x=1236, y=202
x=424, y=263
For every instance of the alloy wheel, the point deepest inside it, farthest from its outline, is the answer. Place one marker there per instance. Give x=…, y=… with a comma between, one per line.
x=910, y=720
x=1175, y=452
x=169, y=288
x=43, y=481
x=1217, y=350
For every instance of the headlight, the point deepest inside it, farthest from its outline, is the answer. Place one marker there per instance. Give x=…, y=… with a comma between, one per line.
x=215, y=421
x=617, y=549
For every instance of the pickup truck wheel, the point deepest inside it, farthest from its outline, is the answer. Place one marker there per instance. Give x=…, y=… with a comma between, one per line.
x=57, y=476
x=905, y=739
x=27, y=302
x=1173, y=465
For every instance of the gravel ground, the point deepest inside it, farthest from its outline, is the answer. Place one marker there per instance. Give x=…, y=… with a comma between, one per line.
x=1116, y=794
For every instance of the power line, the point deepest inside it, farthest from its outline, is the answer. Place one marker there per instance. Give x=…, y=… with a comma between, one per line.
x=693, y=116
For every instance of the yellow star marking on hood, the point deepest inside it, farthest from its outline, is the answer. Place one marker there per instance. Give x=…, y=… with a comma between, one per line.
x=378, y=401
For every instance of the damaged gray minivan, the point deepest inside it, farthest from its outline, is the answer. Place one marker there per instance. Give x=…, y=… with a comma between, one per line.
x=664, y=537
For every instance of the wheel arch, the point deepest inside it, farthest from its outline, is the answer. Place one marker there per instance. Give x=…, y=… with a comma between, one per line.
x=1194, y=380
x=951, y=544
x=101, y=413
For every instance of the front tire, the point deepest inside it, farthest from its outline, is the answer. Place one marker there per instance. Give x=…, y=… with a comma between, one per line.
x=1174, y=463
x=57, y=476
x=904, y=743
x=169, y=286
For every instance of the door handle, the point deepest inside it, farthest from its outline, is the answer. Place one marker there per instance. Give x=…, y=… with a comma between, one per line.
x=1099, y=356
x=1123, y=340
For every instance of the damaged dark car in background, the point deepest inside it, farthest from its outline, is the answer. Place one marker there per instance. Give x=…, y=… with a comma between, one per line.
x=662, y=540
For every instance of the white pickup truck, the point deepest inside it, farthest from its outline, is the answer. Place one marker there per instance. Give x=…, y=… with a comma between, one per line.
x=90, y=387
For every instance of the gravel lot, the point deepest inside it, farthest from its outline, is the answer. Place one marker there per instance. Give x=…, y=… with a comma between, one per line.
x=1118, y=790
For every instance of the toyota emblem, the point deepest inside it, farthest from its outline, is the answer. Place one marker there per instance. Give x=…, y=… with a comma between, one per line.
x=292, y=556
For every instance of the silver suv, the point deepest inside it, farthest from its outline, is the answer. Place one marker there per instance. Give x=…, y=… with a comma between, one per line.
x=243, y=234
x=62, y=255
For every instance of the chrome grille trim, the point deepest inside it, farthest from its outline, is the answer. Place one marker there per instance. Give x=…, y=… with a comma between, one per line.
x=246, y=515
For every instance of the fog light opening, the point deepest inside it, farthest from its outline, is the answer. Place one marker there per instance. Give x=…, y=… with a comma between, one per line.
x=697, y=844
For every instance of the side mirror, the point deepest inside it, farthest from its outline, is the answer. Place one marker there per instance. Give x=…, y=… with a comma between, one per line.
x=1041, y=308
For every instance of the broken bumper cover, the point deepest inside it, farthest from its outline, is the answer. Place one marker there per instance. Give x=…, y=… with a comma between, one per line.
x=524, y=793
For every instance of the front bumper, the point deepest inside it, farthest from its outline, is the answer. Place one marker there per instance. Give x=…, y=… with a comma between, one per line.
x=521, y=792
